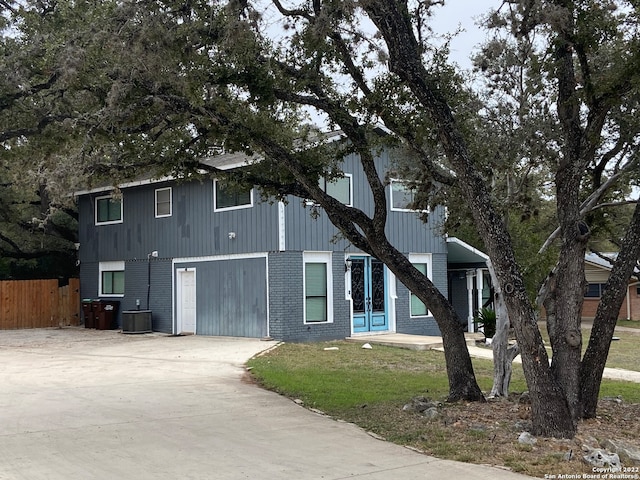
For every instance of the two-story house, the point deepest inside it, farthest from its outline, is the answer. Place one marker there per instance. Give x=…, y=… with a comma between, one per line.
x=210, y=261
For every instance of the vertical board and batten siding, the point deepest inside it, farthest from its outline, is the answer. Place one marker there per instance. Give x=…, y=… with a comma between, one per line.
x=405, y=230
x=193, y=229
x=231, y=296
x=39, y=304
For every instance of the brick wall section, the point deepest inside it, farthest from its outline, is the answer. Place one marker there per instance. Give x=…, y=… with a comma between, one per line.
x=420, y=325
x=635, y=303
x=135, y=282
x=590, y=306
x=286, y=298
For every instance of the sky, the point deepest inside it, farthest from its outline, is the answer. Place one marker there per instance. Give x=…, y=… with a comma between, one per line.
x=463, y=13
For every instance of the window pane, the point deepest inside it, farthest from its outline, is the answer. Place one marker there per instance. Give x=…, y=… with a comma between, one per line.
x=417, y=307
x=316, y=279
x=107, y=282
x=109, y=210
x=402, y=197
x=226, y=198
x=593, y=290
x=163, y=202
x=113, y=283
x=164, y=209
x=316, y=309
x=103, y=210
x=118, y=282
x=340, y=189
x=316, y=292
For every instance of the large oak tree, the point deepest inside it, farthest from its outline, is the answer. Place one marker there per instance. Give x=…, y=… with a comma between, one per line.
x=162, y=84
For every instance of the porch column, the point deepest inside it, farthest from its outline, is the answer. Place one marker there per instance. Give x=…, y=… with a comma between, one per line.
x=479, y=286
x=470, y=325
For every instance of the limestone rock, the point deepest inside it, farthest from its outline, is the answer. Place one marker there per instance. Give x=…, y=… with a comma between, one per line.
x=431, y=413
x=629, y=454
x=598, y=457
x=420, y=404
x=527, y=439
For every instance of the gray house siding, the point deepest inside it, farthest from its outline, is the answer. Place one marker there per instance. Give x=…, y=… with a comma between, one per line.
x=405, y=230
x=231, y=296
x=249, y=279
x=136, y=281
x=194, y=229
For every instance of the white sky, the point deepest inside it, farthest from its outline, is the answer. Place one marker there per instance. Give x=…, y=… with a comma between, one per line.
x=463, y=13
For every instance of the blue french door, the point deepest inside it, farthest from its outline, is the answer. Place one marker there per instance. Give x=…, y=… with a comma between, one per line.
x=369, y=295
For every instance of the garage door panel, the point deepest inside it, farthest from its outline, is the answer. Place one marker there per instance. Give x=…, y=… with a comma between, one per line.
x=233, y=299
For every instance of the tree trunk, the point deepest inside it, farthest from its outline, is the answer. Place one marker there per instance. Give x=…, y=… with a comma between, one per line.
x=368, y=234
x=550, y=411
x=604, y=323
x=462, y=380
x=503, y=355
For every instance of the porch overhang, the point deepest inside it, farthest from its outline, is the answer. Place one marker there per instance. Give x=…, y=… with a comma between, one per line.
x=460, y=253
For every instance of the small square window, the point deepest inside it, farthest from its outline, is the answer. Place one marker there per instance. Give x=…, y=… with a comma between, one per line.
x=402, y=197
x=339, y=188
x=163, y=202
x=111, y=281
x=594, y=290
x=108, y=210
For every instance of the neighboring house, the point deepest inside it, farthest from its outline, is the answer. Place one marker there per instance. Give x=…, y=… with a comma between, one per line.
x=597, y=270
x=209, y=261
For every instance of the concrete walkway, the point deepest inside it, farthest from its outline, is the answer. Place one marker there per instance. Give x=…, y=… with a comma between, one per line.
x=82, y=404
x=418, y=342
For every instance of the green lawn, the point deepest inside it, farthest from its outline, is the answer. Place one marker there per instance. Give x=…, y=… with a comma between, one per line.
x=623, y=353
x=338, y=380
x=370, y=387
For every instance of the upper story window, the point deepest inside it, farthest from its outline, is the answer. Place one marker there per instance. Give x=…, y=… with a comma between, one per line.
x=230, y=198
x=339, y=188
x=163, y=202
x=402, y=197
x=108, y=210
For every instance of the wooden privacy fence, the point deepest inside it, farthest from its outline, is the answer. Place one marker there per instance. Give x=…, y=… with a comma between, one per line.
x=39, y=304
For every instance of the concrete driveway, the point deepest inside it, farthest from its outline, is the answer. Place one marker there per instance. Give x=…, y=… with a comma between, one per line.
x=86, y=404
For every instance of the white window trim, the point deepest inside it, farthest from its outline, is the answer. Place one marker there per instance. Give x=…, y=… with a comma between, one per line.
x=427, y=259
x=111, y=222
x=395, y=209
x=170, y=202
x=350, y=177
x=226, y=209
x=318, y=257
x=115, y=266
x=313, y=203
